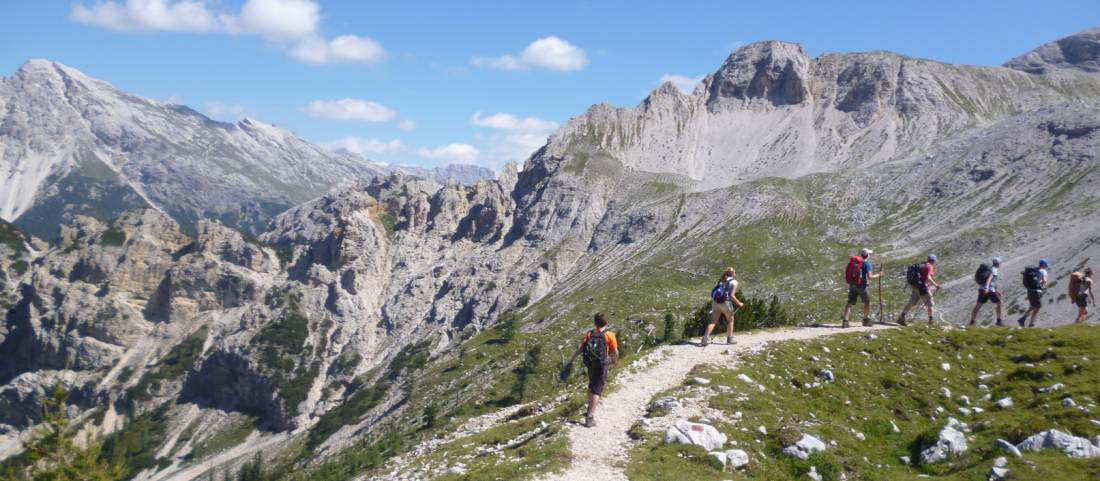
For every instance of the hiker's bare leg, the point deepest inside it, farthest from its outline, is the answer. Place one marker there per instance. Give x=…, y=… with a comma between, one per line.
x=593, y=402
x=715, y=316
x=729, y=326
x=1034, y=314
x=977, y=308
x=914, y=298
x=866, y=310
x=1082, y=313
x=847, y=310
x=1000, y=310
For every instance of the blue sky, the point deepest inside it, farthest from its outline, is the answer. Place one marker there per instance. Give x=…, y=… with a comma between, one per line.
x=403, y=82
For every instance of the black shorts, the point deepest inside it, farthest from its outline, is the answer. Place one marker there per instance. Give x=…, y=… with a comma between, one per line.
x=1082, y=300
x=985, y=296
x=597, y=376
x=1035, y=298
x=857, y=292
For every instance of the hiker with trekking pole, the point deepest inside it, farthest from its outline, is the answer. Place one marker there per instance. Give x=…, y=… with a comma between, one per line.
x=723, y=299
x=921, y=278
x=858, y=274
x=600, y=349
x=986, y=277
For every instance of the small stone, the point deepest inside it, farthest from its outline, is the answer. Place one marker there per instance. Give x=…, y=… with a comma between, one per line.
x=965, y=400
x=1069, y=402
x=1052, y=388
x=965, y=411
x=827, y=375
x=762, y=430
x=945, y=366
x=977, y=410
x=904, y=460
x=894, y=427
x=737, y=458
x=813, y=474
x=805, y=446
x=945, y=392
x=720, y=456
x=1004, y=403
x=999, y=471
x=702, y=382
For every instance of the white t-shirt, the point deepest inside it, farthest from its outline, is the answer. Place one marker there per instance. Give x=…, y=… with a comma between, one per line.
x=1042, y=277
x=993, y=278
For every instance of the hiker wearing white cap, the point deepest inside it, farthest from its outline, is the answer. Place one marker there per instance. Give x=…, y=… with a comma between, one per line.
x=986, y=277
x=858, y=274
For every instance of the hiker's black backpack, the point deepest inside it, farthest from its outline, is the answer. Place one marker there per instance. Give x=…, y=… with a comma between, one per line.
x=1031, y=278
x=595, y=349
x=981, y=276
x=913, y=275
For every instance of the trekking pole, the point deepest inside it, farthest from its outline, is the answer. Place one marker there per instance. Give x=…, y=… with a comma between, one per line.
x=881, y=271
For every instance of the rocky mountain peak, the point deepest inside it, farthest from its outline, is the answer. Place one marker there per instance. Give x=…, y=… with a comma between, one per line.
x=1077, y=52
x=774, y=71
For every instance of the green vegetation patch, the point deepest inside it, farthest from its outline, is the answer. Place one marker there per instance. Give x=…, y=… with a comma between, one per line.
x=179, y=361
x=895, y=378
x=233, y=434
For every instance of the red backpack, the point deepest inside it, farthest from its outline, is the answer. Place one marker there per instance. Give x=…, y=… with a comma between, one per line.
x=853, y=274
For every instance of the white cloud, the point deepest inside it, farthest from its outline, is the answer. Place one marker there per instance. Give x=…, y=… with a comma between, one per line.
x=407, y=124
x=350, y=109
x=276, y=18
x=222, y=111
x=451, y=153
x=513, y=146
x=291, y=25
x=137, y=15
x=505, y=121
x=345, y=48
x=550, y=53
x=684, y=83
x=366, y=147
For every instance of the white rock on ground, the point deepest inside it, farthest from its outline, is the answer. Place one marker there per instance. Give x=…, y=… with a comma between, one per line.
x=894, y=427
x=827, y=375
x=1009, y=447
x=1004, y=403
x=1053, y=387
x=951, y=442
x=945, y=392
x=999, y=470
x=1073, y=446
x=813, y=474
x=737, y=458
x=905, y=460
x=805, y=446
x=684, y=432
x=1069, y=402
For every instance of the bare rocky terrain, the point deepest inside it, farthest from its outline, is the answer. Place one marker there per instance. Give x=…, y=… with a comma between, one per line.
x=314, y=329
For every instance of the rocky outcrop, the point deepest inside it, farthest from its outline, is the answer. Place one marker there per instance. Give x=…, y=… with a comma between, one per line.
x=1078, y=52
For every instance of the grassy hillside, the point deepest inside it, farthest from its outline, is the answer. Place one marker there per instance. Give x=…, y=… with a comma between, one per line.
x=895, y=376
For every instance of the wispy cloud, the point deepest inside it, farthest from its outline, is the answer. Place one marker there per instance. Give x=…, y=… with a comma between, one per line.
x=685, y=83
x=407, y=124
x=519, y=137
x=366, y=147
x=451, y=153
x=291, y=25
x=350, y=109
x=222, y=111
x=505, y=121
x=550, y=53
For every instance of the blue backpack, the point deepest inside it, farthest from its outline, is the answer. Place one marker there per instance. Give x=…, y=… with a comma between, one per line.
x=720, y=293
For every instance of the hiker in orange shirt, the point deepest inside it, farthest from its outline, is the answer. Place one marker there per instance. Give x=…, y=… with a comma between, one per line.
x=600, y=349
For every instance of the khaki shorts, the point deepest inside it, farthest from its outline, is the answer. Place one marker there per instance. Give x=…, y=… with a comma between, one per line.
x=724, y=308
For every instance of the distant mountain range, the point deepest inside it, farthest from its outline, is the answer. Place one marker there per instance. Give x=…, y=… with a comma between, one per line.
x=70, y=145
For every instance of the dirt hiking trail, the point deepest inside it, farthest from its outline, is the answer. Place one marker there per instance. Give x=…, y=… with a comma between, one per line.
x=600, y=453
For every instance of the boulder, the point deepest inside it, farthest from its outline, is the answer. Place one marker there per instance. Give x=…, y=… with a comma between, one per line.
x=951, y=442
x=805, y=446
x=1073, y=446
x=685, y=432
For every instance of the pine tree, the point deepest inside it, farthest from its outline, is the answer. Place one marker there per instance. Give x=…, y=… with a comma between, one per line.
x=53, y=455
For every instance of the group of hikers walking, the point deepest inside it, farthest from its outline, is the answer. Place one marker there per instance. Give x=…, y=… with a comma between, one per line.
x=600, y=348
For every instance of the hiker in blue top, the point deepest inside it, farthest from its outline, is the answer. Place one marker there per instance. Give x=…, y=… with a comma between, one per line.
x=986, y=277
x=858, y=275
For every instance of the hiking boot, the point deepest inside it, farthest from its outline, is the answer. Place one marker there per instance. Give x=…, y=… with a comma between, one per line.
x=901, y=321
x=867, y=322
x=589, y=421
x=844, y=324
x=972, y=323
x=706, y=340
x=999, y=323
x=729, y=340
x=1021, y=320
x=931, y=322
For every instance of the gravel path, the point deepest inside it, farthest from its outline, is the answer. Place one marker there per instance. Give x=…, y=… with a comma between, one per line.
x=601, y=453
